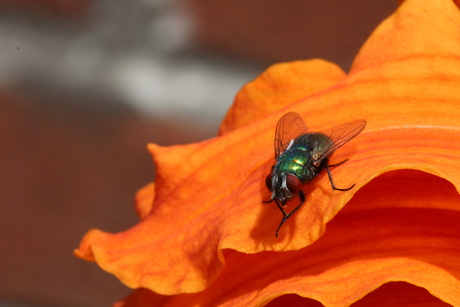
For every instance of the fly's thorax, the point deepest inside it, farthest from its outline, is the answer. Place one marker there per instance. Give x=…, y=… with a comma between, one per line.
x=318, y=142
x=298, y=160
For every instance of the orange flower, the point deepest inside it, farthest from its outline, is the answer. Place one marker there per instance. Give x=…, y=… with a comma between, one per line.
x=206, y=238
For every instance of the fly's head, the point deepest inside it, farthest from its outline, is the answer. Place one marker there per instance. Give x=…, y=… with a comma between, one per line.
x=284, y=186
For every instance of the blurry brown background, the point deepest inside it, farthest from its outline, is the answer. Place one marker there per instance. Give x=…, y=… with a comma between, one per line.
x=85, y=85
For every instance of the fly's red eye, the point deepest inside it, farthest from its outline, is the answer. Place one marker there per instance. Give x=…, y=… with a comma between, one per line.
x=293, y=184
x=268, y=182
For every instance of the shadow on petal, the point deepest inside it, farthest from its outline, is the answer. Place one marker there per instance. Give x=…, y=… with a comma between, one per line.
x=400, y=294
x=293, y=300
x=390, y=294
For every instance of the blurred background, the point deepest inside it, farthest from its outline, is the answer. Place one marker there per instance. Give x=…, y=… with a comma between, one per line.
x=86, y=84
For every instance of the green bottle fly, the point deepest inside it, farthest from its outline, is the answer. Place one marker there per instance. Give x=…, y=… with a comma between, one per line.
x=301, y=155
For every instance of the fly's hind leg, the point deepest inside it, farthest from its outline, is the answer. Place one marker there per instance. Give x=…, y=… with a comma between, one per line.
x=337, y=164
x=330, y=176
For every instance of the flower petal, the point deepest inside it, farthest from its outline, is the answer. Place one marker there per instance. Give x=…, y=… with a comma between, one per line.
x=363, y=249
x=144, y=199
x=279, y=87
x=208, y=195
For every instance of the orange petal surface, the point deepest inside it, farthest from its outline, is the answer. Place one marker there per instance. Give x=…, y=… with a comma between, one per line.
x=208, y=195
x=278, y=87
x=144, y=199
x=365, y=247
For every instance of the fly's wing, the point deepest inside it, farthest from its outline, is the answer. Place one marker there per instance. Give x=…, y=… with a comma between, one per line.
x=340, y=135
x=289, y=127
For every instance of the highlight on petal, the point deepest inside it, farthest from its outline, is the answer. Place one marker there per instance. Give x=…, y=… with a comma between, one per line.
x=365, y=248
x=208, y=195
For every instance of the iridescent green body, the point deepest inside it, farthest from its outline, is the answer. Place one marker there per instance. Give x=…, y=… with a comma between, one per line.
x=300, y=157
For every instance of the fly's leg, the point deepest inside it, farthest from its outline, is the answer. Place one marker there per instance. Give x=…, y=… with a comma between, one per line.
x=330, y=176
x=337, y=164
x=286, y=215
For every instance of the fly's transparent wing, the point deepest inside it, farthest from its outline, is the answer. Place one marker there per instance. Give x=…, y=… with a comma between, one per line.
x=289, y=127
x=340, y=135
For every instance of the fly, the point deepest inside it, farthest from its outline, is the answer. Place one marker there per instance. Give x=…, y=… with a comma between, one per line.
x=301, y=155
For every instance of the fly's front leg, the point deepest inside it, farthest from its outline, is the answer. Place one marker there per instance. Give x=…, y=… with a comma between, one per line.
x=286, y=215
